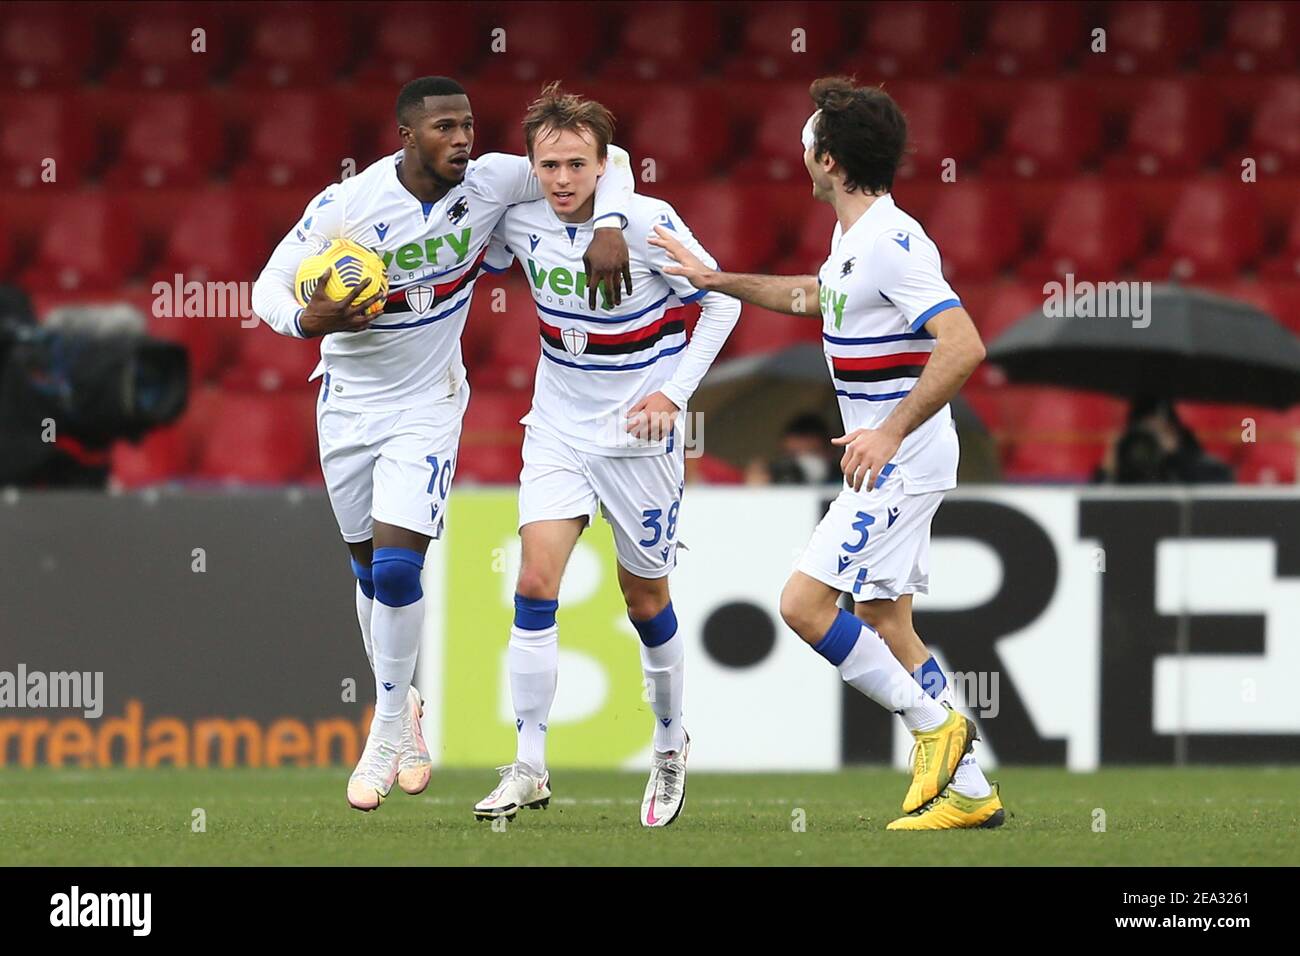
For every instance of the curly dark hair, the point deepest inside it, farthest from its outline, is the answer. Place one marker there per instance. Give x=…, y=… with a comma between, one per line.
x=863, y=130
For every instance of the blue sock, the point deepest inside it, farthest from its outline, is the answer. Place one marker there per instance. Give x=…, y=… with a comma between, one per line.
x=930, y=676
x=534, y=614
x=659, y=629
x=839, y=638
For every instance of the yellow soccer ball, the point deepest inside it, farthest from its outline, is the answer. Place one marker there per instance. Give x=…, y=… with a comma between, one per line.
x=351, y=263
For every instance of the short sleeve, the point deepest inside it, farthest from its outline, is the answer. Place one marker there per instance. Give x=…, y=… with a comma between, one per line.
x=506, y=178
x=911, y=276
x=659, y=258
x=499, y=254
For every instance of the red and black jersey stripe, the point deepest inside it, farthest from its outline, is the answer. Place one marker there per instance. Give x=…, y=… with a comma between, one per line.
x=879, y=368
x=396, y=303
x=621, y=343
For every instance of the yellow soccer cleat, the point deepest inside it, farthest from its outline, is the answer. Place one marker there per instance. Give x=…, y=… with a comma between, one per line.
x=936, y=755
x=954, y=811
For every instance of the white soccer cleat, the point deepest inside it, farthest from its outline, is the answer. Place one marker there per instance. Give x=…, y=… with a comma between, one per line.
x=375, y=773
x=414, y=765
x=518, y=788
x=665, y=793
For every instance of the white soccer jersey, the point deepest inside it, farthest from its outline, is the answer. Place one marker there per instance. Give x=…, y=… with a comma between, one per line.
x=434, y=252
x=882, y=283
x=595, y=365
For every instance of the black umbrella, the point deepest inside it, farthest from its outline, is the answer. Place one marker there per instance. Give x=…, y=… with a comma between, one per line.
x=1186, y=344
x=745, y=404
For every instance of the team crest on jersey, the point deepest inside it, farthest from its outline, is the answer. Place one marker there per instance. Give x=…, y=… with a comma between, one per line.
x=419, y=298
x=575, y=341
x=847, y=266
x=459, y=210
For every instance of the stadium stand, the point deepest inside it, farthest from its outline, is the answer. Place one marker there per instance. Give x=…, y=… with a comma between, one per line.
x=1125, y=164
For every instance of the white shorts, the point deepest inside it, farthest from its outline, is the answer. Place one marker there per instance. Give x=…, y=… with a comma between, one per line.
x=394, y=467
x=639, y=496
x=874, y=545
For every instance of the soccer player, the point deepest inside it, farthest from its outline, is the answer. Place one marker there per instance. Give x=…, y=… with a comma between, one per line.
x=605, y=430
x=898, y=346
x=394, y=387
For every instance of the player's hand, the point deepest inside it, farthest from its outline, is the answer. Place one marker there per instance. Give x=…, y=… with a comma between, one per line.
x=689, y=266
x=323, y=315
x=653, y=417
x=606, y=262
x=866, y=452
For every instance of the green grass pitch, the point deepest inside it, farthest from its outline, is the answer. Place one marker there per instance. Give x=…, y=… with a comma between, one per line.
x=1207, y=816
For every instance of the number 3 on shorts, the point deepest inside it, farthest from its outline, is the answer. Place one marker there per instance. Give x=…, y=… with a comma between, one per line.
x=860, y=526
x=653, y=523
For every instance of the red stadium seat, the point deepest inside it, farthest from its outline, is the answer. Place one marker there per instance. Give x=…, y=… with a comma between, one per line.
x=1146, y=37
x=38, y=127
x=760, y=331
x=158, y=52
x=296, y=139
x=288, y=49
x=768, y=50
x=1261, y=36
x=942, y=124
x=776, y=152
x=1213, y=231
x=420, y=41
x=1272, y=463
x=1064, y=461
x=1219, y=428
x=491, y=437
x=508, y=360
x=199, y=335
x=6, y=248
x=1026, y=38
x=1274, y=139
x=711, y=470
x=906, y=39
x=977, y=231
x=1053, y=130
x=89, y=244
x=540, y=46
x=685, y=131
x=44, y=49
x=1093, y=232
x=665, y=41
x=1176, y=127
x=215, y=235
x=1006, y=304
x=258, y=439
x=161, y=456
x=1059, y=435
x=732, y=223
x=271, y=362
x=1286, y=265
x=170, y=140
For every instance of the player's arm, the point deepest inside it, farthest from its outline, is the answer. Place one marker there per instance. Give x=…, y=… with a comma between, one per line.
x=913, y=281
x=793, y=295
x=273, y=301
x=655, y=414
x=511, y=179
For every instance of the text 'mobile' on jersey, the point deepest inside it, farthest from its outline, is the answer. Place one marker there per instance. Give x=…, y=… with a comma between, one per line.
x=595, y=365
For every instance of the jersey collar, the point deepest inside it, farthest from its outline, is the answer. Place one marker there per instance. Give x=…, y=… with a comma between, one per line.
x=881, y=207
